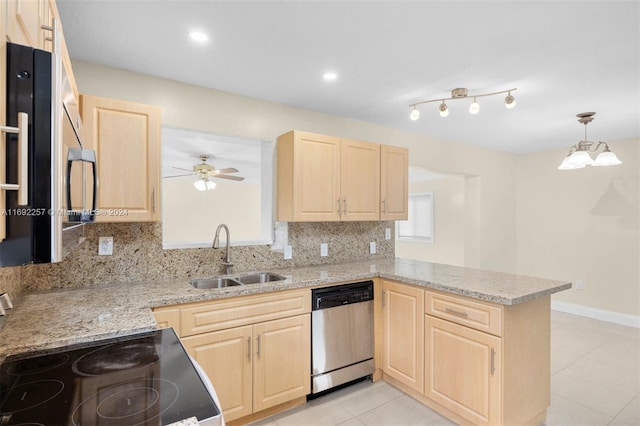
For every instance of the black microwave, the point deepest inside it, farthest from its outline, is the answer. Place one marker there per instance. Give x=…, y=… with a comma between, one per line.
x=38, y=228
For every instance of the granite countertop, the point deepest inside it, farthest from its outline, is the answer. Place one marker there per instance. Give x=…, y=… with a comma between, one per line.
x=55, y=318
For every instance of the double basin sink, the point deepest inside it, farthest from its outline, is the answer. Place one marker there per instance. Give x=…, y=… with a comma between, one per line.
x=252, y=278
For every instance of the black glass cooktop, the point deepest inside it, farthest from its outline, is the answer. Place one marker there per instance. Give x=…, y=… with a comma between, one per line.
x=144, y=379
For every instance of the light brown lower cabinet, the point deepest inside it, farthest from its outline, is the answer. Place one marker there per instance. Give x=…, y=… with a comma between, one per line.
x=256, y=350
x=462, y=370
x=258, y=366
x=402, y=333
x=475, y=362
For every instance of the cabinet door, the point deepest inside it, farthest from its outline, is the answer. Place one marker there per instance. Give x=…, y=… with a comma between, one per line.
x=282, y=363
x=126, y=137
x=23, y=22
x=394, y=183
x=226, y=358
x=360, y=180
x=403, y=336
x=316, y=177
x=463, y=370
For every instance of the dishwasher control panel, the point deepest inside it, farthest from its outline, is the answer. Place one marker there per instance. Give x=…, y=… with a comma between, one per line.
x=328, y=297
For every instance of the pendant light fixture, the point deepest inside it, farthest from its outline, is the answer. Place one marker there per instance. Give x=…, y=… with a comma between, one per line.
x=579, y=156
x=462, y=93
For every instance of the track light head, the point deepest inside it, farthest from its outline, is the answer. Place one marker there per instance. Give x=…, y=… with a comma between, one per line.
x=444, y=109
x=415, y=114
x=475, y=107
x=509, y=101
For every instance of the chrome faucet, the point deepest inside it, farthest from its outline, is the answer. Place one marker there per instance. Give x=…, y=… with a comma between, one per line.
x=228, y=266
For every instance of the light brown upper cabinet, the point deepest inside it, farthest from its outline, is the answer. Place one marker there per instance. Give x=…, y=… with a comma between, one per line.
x=325, y=178
x=394, y=183
x=126, y=137
x=24, y=18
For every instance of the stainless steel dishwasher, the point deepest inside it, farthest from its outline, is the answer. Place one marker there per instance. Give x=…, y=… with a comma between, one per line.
x=341, y=335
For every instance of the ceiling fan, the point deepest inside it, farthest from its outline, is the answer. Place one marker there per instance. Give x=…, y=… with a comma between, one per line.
x=205, y=171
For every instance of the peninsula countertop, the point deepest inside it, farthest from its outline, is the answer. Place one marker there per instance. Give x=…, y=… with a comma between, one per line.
x=54, y=318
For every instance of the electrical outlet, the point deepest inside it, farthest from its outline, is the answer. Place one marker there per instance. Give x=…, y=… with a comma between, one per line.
x=324, y=250
x=372, y=247
x=288, y=254
x=387, y=233
x=579, y=285
x=105, y=246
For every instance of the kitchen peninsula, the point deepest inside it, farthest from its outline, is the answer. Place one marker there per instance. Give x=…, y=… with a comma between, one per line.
x=502, y=319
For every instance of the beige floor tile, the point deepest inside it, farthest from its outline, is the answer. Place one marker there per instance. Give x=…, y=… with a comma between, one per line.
x=369, y=398
x=631, y=413
x=404, y=411
x=352, y=422
x=578, y=338
x=621, y=352
x=561, y=358
x=605, y=374
x=316, y=415
x=564, y=412
x=591, y=394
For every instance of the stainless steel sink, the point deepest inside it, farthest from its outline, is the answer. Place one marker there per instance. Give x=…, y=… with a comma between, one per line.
x=252, y=278
x=214, y=282
x=260, y=278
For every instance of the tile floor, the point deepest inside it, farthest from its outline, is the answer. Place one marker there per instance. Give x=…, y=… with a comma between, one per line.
x=595, y=380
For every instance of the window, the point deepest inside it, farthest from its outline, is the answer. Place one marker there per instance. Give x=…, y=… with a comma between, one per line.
x=419, y=226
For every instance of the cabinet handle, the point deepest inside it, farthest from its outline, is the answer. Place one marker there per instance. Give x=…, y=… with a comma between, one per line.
x=54, y=33
x=493, y=361
x=258, y=346
x=459, y=313
x=384, y=206
x=153, y=200
x=23, y=159
x=249, y=348
x=344, y=206
x=339, y=208
x=383, y=298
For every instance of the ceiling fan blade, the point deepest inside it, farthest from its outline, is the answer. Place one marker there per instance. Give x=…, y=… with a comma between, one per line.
x=238, y=178
x=180, y=168
x=167, y=177
x=224, y=171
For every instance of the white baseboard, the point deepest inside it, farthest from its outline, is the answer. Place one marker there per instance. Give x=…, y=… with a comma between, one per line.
x=599, y=314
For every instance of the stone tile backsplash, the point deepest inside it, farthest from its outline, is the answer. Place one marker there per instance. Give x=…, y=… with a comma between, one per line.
x=138, y=255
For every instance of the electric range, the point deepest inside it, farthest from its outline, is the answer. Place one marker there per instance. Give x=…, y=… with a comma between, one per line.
x=143, y=379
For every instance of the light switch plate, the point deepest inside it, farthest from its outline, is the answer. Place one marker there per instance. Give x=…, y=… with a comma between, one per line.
x=288, y=252
x=324, y=250
x=372, y=247
x=387, y=233
x=105, y=246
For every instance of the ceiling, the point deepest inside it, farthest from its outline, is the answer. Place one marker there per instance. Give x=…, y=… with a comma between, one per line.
x=565, y=57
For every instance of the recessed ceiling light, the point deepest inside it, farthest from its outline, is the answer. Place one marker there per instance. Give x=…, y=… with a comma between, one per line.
x=198, y=36
x=330, y=76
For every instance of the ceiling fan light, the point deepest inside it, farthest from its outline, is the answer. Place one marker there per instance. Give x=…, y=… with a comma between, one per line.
x=200, y=184
x=444, y=109
x=210, y=185
x=475, y=107
x=509, y=101
x=606, y=158
x=415, y=114
x=580, y=158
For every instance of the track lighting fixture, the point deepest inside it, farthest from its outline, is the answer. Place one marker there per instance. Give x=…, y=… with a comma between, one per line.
x=579, y=156
x=462, y=93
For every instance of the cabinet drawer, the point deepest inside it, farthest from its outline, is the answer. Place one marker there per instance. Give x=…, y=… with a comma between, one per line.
x=242, y=311
x=471, y=313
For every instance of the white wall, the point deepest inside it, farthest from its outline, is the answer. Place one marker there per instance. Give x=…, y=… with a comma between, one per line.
x=582, y=225
x=192, y=107
x=449, y=223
